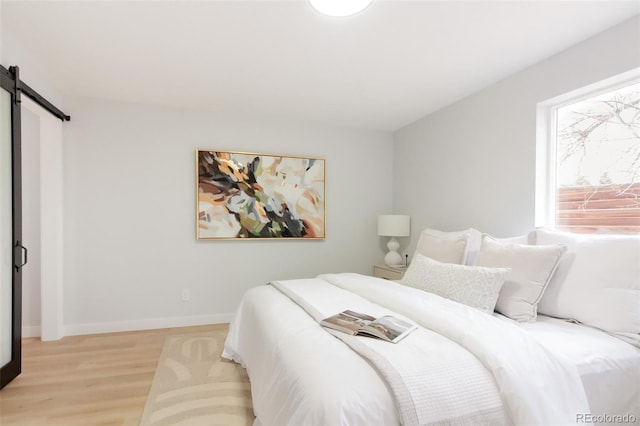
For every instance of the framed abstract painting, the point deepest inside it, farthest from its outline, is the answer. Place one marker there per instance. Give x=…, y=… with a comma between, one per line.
x=242, y=195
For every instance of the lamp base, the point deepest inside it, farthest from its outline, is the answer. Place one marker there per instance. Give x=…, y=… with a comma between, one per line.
x=393, y=258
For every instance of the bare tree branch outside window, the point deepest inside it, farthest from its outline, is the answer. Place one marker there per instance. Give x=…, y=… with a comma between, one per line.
x=598, y=162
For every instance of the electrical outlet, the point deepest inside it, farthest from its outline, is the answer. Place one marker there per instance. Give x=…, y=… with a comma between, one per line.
x=186, y=296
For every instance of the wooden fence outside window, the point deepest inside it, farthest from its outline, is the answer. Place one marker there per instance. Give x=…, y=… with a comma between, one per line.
x=593, y=208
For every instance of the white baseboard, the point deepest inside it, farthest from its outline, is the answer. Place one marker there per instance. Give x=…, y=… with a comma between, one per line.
x=31, y=331
x=145, y=324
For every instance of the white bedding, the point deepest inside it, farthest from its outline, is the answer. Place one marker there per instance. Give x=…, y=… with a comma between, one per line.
x=609, y=367
x=301, y=374
x=292, y=381
x=428, y=386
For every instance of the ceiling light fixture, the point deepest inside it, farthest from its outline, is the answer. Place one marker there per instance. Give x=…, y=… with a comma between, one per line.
x=340, y=7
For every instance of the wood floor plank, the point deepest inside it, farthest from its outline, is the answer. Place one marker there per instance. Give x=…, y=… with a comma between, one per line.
x=101, y=379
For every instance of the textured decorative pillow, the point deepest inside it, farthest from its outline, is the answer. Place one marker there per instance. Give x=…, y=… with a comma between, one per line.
x=450, y=247
x=532, y=267
x=471, y=285
x=597, y=282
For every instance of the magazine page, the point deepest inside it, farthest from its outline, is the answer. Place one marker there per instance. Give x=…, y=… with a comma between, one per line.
x=357, y=316
x=390, y=328
x=347, y=321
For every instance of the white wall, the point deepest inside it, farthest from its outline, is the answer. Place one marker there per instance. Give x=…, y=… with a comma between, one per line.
x=129, y=231
x=472, y=164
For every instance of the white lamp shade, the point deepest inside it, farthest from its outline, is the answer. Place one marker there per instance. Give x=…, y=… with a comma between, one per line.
x=339, y=7
x=394, y=225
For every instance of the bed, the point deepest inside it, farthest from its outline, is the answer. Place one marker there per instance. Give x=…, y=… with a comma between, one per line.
x=465, y=363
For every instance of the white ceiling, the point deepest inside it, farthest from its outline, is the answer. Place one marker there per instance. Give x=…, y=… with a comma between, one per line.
x=384, y=68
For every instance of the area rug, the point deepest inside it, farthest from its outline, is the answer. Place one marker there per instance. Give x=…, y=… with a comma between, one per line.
x=194, y=386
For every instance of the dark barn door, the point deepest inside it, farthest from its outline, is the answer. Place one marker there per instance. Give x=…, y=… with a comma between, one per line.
x=12, y=254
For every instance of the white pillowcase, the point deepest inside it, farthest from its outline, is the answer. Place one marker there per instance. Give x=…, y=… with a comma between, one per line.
x=459, y=247
x=597, y=283
x=471, y=285
x=532, y=267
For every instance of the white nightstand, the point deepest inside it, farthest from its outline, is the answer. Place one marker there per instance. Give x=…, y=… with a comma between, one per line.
x=389, y=272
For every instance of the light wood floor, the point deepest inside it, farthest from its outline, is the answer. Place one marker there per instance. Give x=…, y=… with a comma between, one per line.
x=101, y=379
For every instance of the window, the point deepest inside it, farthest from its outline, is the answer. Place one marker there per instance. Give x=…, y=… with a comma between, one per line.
x=588, y=160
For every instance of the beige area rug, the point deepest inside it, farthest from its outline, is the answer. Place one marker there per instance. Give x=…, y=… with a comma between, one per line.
x=194, y=386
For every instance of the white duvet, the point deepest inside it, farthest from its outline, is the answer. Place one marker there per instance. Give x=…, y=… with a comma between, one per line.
x=472, y=368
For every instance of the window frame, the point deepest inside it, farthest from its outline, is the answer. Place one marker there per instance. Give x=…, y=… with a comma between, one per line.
x=546, y=139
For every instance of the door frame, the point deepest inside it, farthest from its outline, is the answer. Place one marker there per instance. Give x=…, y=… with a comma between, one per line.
x=51, y=220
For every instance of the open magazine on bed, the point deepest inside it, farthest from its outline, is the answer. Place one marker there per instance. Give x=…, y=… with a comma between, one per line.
x=388, y=328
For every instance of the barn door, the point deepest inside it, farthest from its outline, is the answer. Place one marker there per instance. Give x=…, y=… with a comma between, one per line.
x=13, y=256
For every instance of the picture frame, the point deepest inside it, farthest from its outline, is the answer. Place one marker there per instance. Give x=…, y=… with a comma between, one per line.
x=247, y=196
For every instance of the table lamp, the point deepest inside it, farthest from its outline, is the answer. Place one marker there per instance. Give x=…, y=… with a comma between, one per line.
x=393, y=225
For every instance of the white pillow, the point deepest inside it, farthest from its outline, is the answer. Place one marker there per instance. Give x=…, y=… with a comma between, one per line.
x=520, y=239
x=597, y=283
x=459, y=247
x=532, y=267
x=471, y=285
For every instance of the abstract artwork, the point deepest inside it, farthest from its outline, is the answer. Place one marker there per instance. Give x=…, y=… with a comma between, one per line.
x=243, y=195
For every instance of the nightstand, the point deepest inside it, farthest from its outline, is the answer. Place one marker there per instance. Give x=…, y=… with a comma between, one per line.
x=389, y=272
